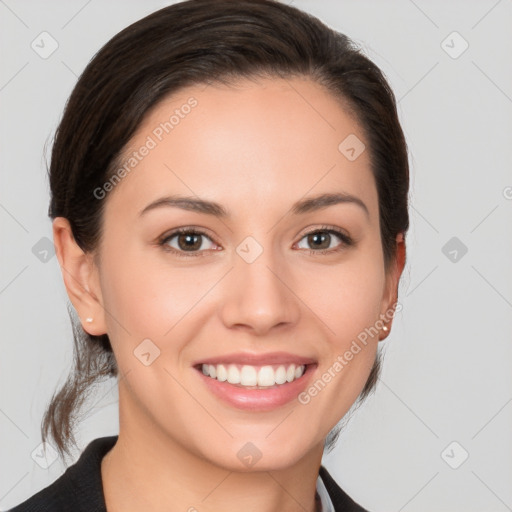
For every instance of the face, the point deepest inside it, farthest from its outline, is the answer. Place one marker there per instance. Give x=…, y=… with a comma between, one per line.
x=266, y=277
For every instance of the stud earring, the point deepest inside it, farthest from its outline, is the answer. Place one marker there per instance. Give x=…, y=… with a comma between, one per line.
x=385, y=328
x=88, y=320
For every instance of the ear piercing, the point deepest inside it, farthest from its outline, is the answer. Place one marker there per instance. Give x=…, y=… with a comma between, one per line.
x=88, y=320
x=385, y=328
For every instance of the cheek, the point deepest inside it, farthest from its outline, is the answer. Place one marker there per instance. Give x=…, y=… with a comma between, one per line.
x=348, y=303
x=147, y=297
x=348, y=309
x=347, y=297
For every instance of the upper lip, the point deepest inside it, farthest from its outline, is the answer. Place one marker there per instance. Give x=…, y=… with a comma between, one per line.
x=257, y=359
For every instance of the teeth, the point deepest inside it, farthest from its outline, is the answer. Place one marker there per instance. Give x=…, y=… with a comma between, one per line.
x=233, y=375
x=254, y=376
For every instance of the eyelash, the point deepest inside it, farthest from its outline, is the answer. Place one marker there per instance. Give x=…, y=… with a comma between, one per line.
x=346, y=241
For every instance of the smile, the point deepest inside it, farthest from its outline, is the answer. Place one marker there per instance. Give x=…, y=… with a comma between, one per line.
x=254, y=377
x=280, y=384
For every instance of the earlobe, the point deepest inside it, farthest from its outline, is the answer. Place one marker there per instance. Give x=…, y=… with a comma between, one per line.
x=391, y=295
x=80, y=277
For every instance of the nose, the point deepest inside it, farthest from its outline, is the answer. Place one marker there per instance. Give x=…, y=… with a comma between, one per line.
x=258, y=296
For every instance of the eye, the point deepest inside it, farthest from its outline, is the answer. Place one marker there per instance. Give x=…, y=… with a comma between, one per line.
x=321, y=239
x=189, y=242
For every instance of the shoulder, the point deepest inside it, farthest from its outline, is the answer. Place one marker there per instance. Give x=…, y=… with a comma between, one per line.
x=340, y=499
x=79, y=488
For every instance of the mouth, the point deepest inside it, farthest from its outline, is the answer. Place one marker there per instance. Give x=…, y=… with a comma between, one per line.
x=256, y=388
x=248, y=376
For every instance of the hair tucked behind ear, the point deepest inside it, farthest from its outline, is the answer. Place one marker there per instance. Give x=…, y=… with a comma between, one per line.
x=203, y=42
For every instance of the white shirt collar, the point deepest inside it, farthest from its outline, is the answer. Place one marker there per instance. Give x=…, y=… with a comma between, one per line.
x=325, y=499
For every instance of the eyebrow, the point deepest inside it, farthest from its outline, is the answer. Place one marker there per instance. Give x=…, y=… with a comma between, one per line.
x=195, y=204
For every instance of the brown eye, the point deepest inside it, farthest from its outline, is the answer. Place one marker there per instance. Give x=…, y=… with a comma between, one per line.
x=322, y=240
x=319, y=240
x=188, y=240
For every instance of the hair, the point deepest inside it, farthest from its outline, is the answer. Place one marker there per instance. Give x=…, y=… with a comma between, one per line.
x=204, y=42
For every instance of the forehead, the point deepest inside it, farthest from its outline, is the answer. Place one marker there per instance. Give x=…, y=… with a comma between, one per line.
x=250, y=144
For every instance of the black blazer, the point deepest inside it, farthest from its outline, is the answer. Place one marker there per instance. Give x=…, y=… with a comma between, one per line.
x=80, y=489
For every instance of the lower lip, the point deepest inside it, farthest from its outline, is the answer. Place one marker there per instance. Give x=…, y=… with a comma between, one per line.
x=258, y=399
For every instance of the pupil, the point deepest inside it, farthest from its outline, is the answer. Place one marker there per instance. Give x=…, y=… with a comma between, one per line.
x=317, y=236
x=188, y=239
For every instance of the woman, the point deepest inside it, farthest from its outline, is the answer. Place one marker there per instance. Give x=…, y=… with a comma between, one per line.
x=229, y=200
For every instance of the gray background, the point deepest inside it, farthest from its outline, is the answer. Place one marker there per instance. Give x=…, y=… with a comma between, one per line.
x=447, y=361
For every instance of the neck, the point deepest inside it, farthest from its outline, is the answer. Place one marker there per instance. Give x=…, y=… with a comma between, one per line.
x=148, y=470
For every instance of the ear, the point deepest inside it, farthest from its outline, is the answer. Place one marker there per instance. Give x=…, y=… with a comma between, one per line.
x=80, y=275
x=390, y=297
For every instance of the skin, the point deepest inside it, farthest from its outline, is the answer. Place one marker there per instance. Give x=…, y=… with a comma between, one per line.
x=255, y=147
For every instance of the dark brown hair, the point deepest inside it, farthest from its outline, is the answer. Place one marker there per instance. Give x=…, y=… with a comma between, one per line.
x=201, y=42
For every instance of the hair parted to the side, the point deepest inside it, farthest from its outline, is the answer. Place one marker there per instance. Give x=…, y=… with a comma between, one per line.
x=203, y=42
